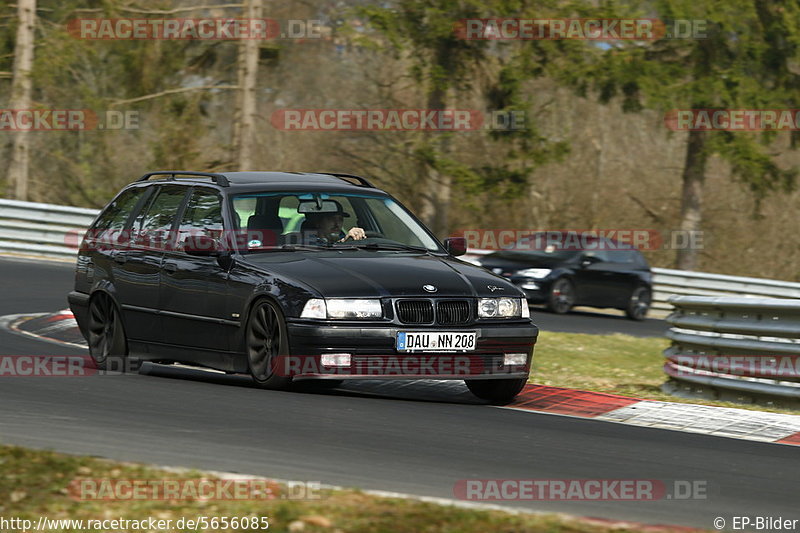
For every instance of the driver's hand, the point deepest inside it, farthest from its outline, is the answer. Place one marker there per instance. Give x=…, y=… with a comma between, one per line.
x=356, y=234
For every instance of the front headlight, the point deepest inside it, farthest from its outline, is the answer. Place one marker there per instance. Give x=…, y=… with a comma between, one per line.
x=342, y=308
x=499, y=307
x=315, y=308
x=535, y=273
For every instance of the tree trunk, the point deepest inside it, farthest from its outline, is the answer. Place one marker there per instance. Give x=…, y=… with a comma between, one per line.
x=244, y=117
x=21, y=85
x=694, y=175
x=436, y=197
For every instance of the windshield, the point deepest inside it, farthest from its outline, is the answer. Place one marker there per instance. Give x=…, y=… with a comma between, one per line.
x=318, y=220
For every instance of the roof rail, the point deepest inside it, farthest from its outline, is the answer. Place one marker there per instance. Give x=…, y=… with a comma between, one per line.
x=219, y=179
x=362, y=182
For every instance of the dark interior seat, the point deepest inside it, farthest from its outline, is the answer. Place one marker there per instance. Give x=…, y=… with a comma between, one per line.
x=265, y=228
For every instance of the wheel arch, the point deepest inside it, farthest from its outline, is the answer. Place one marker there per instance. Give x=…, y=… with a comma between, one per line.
x=104, y=289
x=253, y=300
x=107, y=288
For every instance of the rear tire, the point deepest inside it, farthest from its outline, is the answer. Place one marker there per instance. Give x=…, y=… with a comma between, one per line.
x=639, y=303
x=496, y=391
x=265, y=340
x=106, y=335
x=561, y=297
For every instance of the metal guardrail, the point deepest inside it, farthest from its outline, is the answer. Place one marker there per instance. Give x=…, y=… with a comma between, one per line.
x=42, y=229
x=749, y=345
x=668, y=283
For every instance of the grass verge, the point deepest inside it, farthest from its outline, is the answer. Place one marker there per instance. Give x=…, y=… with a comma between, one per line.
x=36, y=483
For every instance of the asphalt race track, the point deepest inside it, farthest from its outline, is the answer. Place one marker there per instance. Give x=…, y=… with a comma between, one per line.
x=417, y=438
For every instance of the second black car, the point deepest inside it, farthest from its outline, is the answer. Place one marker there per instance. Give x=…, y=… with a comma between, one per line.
x=605, y=273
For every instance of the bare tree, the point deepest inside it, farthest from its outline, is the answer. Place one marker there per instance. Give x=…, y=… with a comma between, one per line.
x=21, y=86
x=244, y=118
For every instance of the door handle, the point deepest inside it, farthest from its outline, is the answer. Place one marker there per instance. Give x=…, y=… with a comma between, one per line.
x=121, y=257
x=171, y=267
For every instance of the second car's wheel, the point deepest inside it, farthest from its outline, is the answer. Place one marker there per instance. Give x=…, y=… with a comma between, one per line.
x=562, y=296
x=106, y=334
x=266, y=340
x=639, y=303
x=496, y=391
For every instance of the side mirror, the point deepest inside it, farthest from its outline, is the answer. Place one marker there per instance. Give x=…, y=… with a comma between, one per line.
x=456, y=246
x=201, y=246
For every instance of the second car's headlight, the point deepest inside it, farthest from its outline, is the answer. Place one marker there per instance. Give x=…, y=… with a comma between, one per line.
x=342, y=308
x=499, y=307
x=535, y=273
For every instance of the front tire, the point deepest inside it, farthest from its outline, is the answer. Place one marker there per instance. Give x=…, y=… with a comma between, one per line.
x=266, y=340
x=106, y=335
x=496, y=391
x=562, y=296
x=639, y=303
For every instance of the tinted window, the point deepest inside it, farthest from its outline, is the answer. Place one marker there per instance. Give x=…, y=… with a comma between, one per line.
x=152, y=226
x=116, y=214
x=624, y=256
x=289, y=216
x=203, y=216
x=600, y=255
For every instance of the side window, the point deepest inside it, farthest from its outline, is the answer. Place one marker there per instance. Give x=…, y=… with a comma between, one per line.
x=203, y=216
x=640, y=261
x=599, y=255
x=624, y=256
x=111, y=223
x=152, y=226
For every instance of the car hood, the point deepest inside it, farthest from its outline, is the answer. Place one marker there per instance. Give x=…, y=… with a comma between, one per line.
x=361, y=274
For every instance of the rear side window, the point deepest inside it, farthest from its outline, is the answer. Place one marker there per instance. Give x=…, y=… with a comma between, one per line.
x=153, y=225
x=116, y=214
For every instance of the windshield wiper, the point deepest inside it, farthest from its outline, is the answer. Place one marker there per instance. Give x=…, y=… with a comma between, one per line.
x=290, y=248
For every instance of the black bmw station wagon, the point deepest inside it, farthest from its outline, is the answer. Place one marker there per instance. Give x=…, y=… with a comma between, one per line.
x=293, y=276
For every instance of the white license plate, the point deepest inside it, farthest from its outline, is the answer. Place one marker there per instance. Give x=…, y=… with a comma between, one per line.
x=436, y=341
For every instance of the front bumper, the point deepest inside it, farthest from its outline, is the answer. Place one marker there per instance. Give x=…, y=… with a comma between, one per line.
x=373, y=354
x=536, y=290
